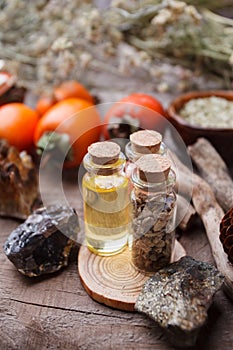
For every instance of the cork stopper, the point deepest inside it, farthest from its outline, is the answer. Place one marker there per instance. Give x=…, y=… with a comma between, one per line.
x=153, y=168
x=145, y=141
x=105, y=152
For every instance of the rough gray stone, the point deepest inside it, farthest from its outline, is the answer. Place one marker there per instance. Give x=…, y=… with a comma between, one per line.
x=177, y=298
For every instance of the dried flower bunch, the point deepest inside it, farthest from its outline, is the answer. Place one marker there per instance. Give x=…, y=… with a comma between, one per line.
x=45, y=45
x=177, y=29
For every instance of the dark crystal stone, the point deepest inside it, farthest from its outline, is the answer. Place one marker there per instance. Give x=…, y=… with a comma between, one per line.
x=42, y=244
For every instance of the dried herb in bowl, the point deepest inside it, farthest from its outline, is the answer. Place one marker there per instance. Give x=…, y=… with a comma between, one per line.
x=213, y=112
x=212, y=108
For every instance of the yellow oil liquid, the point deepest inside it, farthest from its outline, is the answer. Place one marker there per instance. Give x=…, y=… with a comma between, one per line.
x=106, y=213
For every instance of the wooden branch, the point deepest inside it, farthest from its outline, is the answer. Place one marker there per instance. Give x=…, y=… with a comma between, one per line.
x=184, y=182
x=213, y=169
x=185, y=213
x=211, y=213
x=184, y=185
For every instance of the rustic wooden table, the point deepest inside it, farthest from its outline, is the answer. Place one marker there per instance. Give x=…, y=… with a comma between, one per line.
x=55, y=312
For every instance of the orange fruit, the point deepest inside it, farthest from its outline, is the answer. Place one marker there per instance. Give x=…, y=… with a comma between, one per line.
x=17, y=124
x=65, y=90
x=72, y=88
x=44, y=103
x=77, y=118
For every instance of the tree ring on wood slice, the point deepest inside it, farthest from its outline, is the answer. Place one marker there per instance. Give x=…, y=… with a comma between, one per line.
x=113, y=280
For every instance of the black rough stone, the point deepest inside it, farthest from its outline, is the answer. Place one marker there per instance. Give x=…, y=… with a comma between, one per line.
x=42, y=244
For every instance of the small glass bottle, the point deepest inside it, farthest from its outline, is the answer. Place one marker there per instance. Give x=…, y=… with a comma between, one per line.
x=153, y=213
x=106, y=199
x=143, y=142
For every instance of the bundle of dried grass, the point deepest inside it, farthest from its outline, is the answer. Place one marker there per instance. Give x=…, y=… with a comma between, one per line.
x=47, y=41
x=45, y=45
x=177, y=30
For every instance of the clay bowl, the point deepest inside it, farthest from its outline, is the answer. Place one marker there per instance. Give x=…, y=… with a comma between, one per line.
x=221, y=138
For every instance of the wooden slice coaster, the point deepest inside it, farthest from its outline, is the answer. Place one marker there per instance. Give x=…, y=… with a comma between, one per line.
x=113, y=280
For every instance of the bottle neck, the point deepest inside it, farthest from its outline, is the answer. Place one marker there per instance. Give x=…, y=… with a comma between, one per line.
x=104, y=169
x=165, y=186
x=133, y=156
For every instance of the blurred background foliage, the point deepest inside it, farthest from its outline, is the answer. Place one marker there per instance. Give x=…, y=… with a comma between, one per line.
x=47, y=41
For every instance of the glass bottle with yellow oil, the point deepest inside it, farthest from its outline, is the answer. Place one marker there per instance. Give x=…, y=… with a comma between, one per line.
x=106, y=199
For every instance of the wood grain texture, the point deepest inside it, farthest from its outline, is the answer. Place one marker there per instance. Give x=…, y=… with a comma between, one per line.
x=214, y=170
x=113, y=280
x=55, y=312
x=185, y=213
x=211, y=213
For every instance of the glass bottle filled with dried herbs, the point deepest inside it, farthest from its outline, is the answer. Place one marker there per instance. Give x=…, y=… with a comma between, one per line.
x=153, y=213
x=143, y=142
x=106, y=199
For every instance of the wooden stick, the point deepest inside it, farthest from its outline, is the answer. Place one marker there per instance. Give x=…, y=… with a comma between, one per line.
x=184, y=185
x=211, y=213
x=184, y=189
x=213, y=169
x=185, y=213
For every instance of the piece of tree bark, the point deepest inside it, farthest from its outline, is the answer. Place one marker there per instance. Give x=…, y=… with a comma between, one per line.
x=185, y=213
x=211, y=213
x=184, y=185
x=214, y=170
